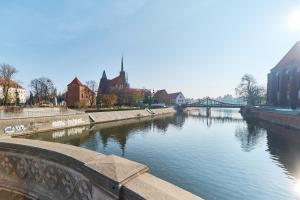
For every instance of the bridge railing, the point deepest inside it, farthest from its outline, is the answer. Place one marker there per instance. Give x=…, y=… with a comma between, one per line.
x=208, y=102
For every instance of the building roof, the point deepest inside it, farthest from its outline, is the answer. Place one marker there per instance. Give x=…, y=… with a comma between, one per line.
x=291, y=59
x=119, y=80
x=13, y=84
x=174, y=95
x=161, y=92
x=76, y=81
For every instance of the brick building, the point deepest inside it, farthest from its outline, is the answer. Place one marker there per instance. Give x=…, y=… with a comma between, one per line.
x=162, y=96
x=79, y=94
x=108, y=86
x=119, y=86
x=284, y=80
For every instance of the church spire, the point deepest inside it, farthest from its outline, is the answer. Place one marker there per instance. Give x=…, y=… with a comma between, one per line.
x=104, y=74
x=122, y=64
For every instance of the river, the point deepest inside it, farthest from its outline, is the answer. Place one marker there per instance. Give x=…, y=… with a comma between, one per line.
x=221, y=157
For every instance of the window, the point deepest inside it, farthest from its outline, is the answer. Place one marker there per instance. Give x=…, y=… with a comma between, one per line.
x=298, y=71
x=289, y=76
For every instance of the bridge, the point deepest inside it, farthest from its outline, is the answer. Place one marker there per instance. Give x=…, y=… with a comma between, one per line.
x=211, y=103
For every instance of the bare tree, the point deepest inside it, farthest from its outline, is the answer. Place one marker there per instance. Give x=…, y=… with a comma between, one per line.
x=91, y=92
x=43, y=90
x=109, y=100
x=250, y=91
x=7, y=72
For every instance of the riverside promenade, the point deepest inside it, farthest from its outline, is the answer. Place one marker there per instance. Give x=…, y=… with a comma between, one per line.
x=49, y=119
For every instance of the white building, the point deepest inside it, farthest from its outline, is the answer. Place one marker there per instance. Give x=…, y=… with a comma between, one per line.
x=15, y=90
x=177, y=98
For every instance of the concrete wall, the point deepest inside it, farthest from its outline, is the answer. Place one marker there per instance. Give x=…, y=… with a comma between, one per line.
x=46, y=171
x=22, y=126
x=99, y=117
x=39, y=124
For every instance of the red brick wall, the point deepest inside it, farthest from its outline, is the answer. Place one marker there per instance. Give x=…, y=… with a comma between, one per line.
x=73, y=95
x=292, y=121
x=76, y=94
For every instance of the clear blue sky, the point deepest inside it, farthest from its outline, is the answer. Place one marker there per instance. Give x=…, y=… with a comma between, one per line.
x=200, y=47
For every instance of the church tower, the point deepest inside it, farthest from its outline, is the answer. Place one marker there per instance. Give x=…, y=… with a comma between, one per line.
x=103, y=86
x=122, y=72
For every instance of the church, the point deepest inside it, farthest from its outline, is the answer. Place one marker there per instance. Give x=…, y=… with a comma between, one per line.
x=284, y=80
x=119, y=86
x=108, y=86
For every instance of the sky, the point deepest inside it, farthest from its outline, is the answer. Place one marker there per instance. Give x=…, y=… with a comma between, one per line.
x=199, y=47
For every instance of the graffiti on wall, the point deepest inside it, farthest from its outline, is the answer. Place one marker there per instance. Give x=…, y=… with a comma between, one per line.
x=69, y=132
x=69, y=122
x=14, y=129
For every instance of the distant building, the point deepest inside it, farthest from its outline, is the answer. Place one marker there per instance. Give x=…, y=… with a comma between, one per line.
x=107, y=86
x=161, y=96
x=177, y=98
x=232, y=100
x=119, y=86
x=79, y=93
x=284, y=80
x=16, y=91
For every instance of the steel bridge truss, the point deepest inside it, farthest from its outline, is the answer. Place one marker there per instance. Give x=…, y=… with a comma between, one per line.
x=211, y=103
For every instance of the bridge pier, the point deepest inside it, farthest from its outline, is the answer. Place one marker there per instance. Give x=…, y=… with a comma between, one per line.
x=208, y=111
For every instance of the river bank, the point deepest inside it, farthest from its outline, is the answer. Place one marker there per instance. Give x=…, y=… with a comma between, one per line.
x=283, y=117
x=30, y=125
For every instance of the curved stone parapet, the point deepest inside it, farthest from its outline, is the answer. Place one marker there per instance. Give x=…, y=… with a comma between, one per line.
x=47, y=171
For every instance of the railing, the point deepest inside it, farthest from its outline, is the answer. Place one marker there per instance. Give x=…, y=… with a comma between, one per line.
x=208, y=102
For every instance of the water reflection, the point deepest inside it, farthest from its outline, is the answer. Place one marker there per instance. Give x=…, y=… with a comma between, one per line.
x=284, y=146
x=119, y=131
x=218, y=116
x=249, y=135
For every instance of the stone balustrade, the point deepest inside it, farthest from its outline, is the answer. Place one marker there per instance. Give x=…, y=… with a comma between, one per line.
x=47, y=171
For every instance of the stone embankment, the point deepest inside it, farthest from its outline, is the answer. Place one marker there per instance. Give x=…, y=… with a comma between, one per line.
x=28, y=125
x=45, y=170
x=282, y=117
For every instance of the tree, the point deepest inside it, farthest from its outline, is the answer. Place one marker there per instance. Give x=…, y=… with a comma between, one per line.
x=60, y=98
x=7, y=72
x=31, y=99
x=250, y=91
x=136, y=98
x=91, y=92
x=109, y=100
x=43, y=90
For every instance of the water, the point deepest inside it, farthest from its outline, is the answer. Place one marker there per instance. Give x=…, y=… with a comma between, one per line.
x=222, y=157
